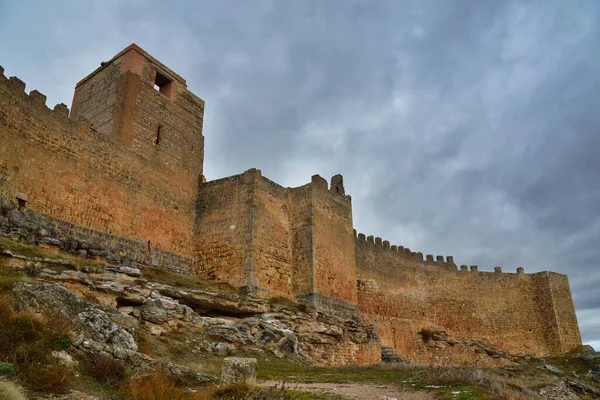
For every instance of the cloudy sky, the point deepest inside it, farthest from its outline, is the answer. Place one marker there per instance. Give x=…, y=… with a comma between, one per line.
x=465, y=128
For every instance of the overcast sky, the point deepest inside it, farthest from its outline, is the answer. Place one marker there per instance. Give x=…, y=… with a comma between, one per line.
x=464, y=128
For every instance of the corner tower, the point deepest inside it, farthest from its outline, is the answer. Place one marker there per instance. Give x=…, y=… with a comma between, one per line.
x=135, y=100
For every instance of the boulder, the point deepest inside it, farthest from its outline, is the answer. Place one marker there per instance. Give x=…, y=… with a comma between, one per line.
x=239, y=370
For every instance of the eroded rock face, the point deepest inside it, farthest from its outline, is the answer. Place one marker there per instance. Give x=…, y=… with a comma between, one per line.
x=97, y=321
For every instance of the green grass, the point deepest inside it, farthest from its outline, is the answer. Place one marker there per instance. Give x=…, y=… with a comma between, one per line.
x=281, y=369
x=8, y=277
x=299, y=395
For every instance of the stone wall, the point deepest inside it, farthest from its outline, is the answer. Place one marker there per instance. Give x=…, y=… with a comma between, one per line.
x=334, y=264
x=510, y=310
x=286, y=242
x=223, y=239
x=69, y=171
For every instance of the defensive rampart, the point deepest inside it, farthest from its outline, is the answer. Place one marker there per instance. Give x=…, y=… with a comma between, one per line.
x=406, y=295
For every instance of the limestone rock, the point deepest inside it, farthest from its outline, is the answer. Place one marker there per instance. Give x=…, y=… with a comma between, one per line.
x=230, y=333
x=64, y=358
x=594, y=373
x=582, y=388
x=96, y=320
x=552, y=369
x=239, y=370
x=203, y=301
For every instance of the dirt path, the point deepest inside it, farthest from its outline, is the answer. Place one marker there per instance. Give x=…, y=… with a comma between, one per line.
x=362, y=391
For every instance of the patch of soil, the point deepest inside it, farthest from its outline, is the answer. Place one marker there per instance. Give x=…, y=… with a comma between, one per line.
x=362, y=391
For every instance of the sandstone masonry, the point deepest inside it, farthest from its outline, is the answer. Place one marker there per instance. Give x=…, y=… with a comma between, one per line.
x=123, y=173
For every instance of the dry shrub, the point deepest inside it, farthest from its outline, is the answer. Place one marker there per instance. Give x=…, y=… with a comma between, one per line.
x=233, y=392
x=11, y=391
x=159, y=387
x=447, y=376
x=51, y=378
x=26, y=341
x=507, y=394
x=104, y=369
x=273, y=393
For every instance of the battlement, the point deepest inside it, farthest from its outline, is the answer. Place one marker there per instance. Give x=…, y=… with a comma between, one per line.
x=37, y=99
x=404, y=254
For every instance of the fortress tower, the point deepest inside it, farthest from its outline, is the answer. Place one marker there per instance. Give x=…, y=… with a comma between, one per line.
x=135, y=100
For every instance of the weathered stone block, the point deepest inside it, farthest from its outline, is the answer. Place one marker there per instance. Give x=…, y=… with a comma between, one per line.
x=239, y=370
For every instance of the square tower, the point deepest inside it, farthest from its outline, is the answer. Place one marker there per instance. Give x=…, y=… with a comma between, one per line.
x=135, y=100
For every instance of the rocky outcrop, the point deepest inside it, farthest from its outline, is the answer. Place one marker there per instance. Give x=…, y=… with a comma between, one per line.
x=125, y=302
x=103, y=324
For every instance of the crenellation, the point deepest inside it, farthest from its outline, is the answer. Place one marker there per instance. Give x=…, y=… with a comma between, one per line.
x=337, y=185
x=371, y=239
x=319, y=182
x=16, y=85
x=394, y=248
x=520, y=270
x=61, y=110
x=474, y=268
x=378, y=241
x=498, y=270
x=386, y=244
x=464, y=268
x=362, y=237
x=38, y=97
x=439, y=259
x=429, y=258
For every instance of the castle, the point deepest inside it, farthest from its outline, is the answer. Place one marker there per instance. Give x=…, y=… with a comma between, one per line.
x=125, y=169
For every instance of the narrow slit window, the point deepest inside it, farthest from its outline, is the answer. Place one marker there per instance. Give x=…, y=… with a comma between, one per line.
x=157, y=141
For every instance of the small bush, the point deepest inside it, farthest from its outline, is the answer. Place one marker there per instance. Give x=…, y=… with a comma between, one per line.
x=10, y=391
x=507, y=394
x=104, y=369
x=26, y=342
x=6, y=368
x=159, y=387
x=51, y=378
x=233, y=392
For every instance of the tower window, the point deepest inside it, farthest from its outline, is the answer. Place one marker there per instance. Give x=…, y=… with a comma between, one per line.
x=157, y=141
x=163, y=84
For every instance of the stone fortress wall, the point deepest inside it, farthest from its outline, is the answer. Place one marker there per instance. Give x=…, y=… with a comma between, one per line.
x=517, y=312
x=125, y=170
